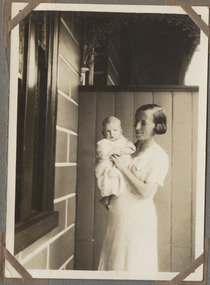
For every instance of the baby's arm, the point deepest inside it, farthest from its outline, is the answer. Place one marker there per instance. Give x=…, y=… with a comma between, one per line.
x=115, y=150
x=102, y=150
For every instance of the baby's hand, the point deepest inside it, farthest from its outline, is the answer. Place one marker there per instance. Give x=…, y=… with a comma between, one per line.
x=115, y=151
x=119, y=161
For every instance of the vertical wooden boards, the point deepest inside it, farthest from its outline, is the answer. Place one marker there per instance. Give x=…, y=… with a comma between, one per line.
x=124, y=111
x=141, y=98
x=105, y=107
x=85, y=182
x=181, y=180
x=163, y=195
x=194, y=163
x=175, y=202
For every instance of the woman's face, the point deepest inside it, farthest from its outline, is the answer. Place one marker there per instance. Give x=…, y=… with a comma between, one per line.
x=144, y=125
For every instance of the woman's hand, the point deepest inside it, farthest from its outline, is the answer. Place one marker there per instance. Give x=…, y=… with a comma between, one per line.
x=119, y=161
x=143, y=190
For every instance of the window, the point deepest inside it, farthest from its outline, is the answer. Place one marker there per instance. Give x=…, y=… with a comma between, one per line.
x=36, y=128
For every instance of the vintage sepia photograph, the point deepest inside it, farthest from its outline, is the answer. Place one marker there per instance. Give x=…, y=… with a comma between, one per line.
x=107, y=142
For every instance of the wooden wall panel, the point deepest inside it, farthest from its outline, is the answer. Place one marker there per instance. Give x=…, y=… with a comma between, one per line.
x=180, y=257
x=65, y=180
x=71, y=211
x=194, y=170
x=69, y=48
x=61, y=249
x=105, y=108
x=175, y=202
x=141, y=98
x=71, y=24
x=72, y=148
x=181, y=178
x=68, y=80
x=38, y=261
x=67, y=121
x=85, y=182
x=164, y=99
x=124, y=111
x=112, y=65
x=61, y=149
x=109, y=81
x=67, y=115
x=163, y=195
x=113, y=76
x=64, y=76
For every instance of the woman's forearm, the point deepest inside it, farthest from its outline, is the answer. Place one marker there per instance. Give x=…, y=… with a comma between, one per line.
x=138, y=187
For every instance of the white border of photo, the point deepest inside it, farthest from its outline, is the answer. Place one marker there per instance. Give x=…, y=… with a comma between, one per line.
x=201, y=155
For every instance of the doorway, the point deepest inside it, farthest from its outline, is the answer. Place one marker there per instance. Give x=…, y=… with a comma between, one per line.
x=175, y=202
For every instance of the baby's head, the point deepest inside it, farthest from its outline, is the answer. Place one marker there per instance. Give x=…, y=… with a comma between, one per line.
x=111, y=128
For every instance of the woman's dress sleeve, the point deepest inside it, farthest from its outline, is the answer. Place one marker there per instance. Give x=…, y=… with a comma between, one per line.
x=158, y=168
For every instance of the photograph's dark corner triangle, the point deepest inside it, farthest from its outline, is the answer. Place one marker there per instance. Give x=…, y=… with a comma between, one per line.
x=202, y=259
x=195, y=17
x=9, y=23
x=2, y=257
x=5, y=255
x=187, y=7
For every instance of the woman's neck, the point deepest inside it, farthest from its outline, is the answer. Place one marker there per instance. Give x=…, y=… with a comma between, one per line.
x=141, y=146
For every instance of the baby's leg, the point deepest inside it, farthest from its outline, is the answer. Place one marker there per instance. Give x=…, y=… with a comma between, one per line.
x=105, y=201
x=102, y=166
x=113, y=172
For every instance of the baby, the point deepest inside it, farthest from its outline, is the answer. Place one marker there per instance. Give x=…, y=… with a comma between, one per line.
x=109, y=179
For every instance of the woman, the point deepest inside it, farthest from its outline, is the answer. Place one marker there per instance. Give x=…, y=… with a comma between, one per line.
x=130, y=243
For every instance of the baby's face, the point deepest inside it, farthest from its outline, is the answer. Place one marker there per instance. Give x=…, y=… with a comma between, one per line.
x=112, y=131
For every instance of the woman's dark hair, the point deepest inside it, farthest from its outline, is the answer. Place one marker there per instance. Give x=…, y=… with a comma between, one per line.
x=159, y=117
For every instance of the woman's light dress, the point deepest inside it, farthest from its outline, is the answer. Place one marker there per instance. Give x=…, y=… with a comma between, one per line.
x=130, y=243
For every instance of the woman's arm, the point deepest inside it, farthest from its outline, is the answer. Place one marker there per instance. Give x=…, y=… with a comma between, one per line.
x=144, y=190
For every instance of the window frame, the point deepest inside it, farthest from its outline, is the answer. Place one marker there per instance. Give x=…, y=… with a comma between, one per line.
x=32, y=224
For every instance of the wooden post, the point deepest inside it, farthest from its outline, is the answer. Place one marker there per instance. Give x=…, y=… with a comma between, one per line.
x=91, y=67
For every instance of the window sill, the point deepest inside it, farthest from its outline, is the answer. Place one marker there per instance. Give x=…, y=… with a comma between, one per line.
x=30, y=231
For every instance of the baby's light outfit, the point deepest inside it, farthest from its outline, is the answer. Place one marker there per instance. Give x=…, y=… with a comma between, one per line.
x=109, y=178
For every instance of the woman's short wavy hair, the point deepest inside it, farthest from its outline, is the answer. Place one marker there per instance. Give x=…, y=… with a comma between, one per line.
x=159, y=117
